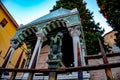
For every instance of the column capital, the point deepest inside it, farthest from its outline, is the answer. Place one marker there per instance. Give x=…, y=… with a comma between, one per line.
x=75, y=31
x=40, y=36
x=15, y=43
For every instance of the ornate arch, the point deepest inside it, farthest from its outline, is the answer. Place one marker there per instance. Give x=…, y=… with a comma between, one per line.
x=23, y=37
x=54, y=25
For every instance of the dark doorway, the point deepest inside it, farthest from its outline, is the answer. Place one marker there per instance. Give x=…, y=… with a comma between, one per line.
x=67, y=45
x=67, y=50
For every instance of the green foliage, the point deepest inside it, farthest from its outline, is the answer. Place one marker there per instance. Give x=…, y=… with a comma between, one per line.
x=111, y=11
x=91, y=30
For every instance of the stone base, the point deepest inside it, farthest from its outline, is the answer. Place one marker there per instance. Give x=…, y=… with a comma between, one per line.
x=53, y=64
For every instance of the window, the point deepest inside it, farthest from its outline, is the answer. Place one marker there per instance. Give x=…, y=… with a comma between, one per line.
x=3, y=22
x=116, y=48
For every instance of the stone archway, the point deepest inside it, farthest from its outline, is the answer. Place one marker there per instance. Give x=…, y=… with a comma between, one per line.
x=51, y=29
x=28, y=36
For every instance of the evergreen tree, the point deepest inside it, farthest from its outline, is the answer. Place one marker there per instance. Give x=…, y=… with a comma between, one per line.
x=91, y=30
x=111, y=11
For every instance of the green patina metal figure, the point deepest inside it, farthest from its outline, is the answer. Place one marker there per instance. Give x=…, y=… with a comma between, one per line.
x=55, y=55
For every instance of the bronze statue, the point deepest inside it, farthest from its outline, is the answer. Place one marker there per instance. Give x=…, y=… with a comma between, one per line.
x=55, y=54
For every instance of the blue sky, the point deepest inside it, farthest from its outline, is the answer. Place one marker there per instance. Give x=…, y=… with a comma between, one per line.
x=25, y=11
x=93, y=7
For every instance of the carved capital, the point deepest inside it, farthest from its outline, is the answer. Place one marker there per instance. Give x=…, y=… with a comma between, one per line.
x=41, y=36
x=15, y=43
x=75, y=31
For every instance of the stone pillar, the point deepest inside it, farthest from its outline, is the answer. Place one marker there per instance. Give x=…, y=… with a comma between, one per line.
x=14, y=45
x=37, y=47
x=83, y=54
x=9, y=56
x=7, y=60
x=75, y=33
x=34, y=52
x=40, y=34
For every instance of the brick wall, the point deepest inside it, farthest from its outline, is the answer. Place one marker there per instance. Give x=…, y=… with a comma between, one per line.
x=100, y=74
x=42, y=62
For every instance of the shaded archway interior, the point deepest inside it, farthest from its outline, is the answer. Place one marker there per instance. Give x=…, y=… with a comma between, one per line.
x=67, y=46
x=32, y=39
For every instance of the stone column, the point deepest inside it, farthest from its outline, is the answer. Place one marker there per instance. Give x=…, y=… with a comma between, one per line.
x=83, y=54
x=9, y=56
x=14, y=45
x=75, y=33
x=40, y=34
x=6, y=61
x=37, y=48
x=34, y=52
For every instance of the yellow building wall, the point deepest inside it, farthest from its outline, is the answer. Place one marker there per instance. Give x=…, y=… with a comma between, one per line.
x=6, y=34
x=110, y=39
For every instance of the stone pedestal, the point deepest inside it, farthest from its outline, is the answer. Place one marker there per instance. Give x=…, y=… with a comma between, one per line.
x=53, y=64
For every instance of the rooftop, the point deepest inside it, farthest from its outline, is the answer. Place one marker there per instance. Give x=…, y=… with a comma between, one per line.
x=53, y=14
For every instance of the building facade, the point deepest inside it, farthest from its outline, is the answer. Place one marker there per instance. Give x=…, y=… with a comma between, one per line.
x=8, y=28
x=110, y=41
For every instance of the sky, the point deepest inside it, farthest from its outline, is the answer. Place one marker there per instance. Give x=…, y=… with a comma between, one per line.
x=25, y=11
x=93, y=7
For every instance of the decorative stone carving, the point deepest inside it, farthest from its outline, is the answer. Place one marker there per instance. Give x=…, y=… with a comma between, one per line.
x=75, y=31
x=15, y=43
x=40, y=36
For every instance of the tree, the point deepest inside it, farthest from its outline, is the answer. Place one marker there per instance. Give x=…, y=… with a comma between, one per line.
x=111, y=11
x=91, y=30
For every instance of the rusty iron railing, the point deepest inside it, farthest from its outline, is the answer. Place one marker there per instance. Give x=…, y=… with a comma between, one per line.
x=53, y=72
